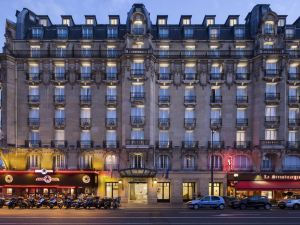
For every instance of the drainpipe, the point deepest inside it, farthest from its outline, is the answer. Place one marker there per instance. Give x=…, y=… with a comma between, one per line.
x=16, y=107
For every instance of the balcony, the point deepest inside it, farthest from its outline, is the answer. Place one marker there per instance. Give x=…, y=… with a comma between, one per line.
x=163, y=100
x=59, y=100
x=241, y=101
x=111, y=123
x=190, y=145
x=242, y=78
x=87, y=144
x=294, y=101
x=137, y=121
x=215, y=145
x=137, y=98
x=142, y=143
x=34, y=123
x=241, y=123
x=293, y=123
x=85, y=100
x=272, y=98
x=215, y=100
x=111, y=77
x=293, y=78
x=164, y=145
x=85, y=123
x=272, y=121
x=110, y=144
x=59, y=78
x=190, y=100
x=164, y=78
x=272, y=75
x=164, y=123
x=242, y=145
x=215, y=123
x=85, y=78
x=189, y=123
x=293, y=145
x=59, y=123
x=33, y=143
x=273, y=144
x=33, y=78
x=216, y=78
x=190, y=78
x=59, y=144
x=110, y=100
x=33, y=100
x=137, y=74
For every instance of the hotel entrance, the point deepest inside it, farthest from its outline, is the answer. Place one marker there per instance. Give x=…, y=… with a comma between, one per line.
x=138, y=192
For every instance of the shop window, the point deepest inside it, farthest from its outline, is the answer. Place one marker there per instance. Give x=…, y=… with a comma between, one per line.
x=218, y=189
x=188, y=191
x=163, y=192
x=111, y=189
x=111, y=162
x=291, y=162
x=242, y=162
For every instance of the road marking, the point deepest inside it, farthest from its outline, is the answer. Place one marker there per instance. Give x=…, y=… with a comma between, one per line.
x=160, y=223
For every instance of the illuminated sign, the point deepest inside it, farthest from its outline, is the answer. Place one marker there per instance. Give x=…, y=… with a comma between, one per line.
x=280, y=177
x=47, y=179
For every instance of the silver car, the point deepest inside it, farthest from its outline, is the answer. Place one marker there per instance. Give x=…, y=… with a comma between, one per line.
x=215, y=202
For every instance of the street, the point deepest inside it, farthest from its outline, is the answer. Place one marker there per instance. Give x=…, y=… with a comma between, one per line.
x=143, y=215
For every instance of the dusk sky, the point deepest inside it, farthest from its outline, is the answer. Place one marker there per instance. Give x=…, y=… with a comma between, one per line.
x=173, y=8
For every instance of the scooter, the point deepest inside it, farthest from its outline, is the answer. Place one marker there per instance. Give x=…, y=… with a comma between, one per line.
x=22, y=203
x=116, y=202
x=42, y=202
x=68, y=203
x=12, y=203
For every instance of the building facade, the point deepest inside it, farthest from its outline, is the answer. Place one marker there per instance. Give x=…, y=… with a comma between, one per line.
x=143, y=110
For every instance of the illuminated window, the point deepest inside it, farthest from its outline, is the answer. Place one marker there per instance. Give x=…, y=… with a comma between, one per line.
x=111, y=162
x=232, y=22
x=66, y=22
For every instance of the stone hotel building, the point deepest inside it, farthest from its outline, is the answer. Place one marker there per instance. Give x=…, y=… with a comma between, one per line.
x=144, y=109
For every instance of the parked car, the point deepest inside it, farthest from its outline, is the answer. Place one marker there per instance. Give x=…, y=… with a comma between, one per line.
x=214, y=202
x=230, y=200
x=253, y=202
x=291, y=202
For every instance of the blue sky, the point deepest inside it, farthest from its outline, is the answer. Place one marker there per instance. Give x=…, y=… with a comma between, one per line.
x=173, y=8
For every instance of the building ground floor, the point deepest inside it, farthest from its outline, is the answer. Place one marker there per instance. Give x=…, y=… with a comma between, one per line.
x=147, y=186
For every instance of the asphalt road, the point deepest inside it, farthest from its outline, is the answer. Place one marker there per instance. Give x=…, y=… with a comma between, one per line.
x=147, y=216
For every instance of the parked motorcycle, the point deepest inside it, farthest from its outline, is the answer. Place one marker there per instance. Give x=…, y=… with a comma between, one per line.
x=31, y=202
x=2, y=202
x=116, y=202
x=68, y=203
x=42, y=202
x=54, y=201
x=79, y=203
x=12, y=203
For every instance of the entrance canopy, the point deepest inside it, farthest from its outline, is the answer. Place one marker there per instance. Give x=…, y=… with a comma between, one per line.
x=267, y=185
x=138, y=173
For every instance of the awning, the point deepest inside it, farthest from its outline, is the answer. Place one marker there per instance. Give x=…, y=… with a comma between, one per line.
x=267, y=185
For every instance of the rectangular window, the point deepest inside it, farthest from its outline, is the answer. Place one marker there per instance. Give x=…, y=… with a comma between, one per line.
x=62, y=33
x=111, y=189
x=163, y=192
x=137, y=134
x=112, y=32
x=239, y=33
x=213, y=33
x=37, y=33
x=232, y=22
x=188, y=191
x=270, y=134
x=35, y=51
x=66, y=22
x=240, y=136
x=163, y=33
x=188, y=33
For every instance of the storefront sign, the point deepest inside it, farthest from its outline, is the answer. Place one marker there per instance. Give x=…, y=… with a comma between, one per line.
x=280, y=177
x=47, y=179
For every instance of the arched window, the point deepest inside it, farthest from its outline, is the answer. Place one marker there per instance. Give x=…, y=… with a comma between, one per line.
x=138, y=26
x=291, y=162
x=218, y=164
x=242, y=162
x=163, y=162
x=136, y=161
x=269, y=27
x=2, y=164
x=111, y=162
x=189, y=162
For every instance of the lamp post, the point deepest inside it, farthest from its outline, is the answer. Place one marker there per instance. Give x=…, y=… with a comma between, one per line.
x=212, y=164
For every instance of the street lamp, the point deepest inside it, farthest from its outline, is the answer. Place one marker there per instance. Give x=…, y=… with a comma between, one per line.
x=212, y=164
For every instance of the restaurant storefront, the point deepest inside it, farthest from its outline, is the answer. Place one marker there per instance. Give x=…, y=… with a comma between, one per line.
x=273, y=185
x=47, y=182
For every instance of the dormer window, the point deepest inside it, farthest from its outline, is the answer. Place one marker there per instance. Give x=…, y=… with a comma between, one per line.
x=89, y=21
x=239, y=33
x=269, y=27
x=113, y=21
x=43, y=22
x=87, y=32
x=66, y=22
x=37, y=33
x=232, y=22
x=186, y=21
x=138, y=26
x=281, y=22
x=188, y=33
x=62, y=33
x=162, y=22
x=289, y=33
x=210, y=22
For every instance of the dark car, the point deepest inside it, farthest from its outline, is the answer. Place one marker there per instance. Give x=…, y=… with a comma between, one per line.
x=230, y=200
x=253, y=202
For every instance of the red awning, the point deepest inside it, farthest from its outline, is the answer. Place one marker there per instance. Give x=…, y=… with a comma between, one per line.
x=267, y=185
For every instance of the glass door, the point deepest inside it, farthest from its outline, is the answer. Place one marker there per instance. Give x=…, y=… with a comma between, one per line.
x=163, y=192
x=188, y=191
